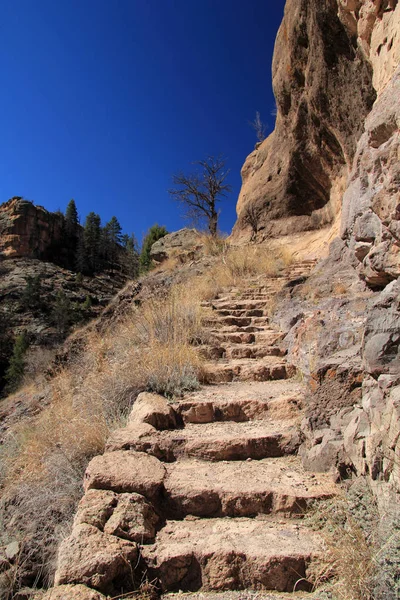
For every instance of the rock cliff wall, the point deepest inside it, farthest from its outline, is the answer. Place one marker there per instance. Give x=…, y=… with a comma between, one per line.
x=332, y=59
x=337, y=147
x=27, y=230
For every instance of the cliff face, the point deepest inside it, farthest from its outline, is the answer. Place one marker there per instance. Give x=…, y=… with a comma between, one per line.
x=27, y=230
x=332, y=59
x=332, y=164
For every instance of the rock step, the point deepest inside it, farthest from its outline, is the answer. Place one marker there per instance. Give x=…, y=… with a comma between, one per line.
x=229, y=554
x=236, y=305
x=240, y=402
x=264, y=369
x=232, y=595
x=236, y=329
x=223, y=440
x=240, y=312
x=236, y=321
x=267, y=336
x=241, y=488
x=252, y=351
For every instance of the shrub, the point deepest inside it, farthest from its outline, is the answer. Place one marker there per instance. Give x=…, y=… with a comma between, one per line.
x=362, y=544
x=16, y=367
x=44, y=459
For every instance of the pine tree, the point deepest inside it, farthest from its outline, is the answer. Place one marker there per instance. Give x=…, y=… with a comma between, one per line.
x=92, y=238
x=15, y=371
x=62, y=314
x=71, y=233
x=112, y=238
x=155, y=233
x=32, y=295
x=71, y=217
x=131, y=256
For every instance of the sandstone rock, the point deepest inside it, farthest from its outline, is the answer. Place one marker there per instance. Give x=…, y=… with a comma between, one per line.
x=128, y=516
x=154, y=410
x=371, y=200
x=183, y=243
x=294, y=180
x=132, y=519
x=127, y=471
x=72, y=592
x=18, y=219
x=367, y=227
x=98, y=560
x=381, y=340
x=120, y=439
x=229, y=554
x=95, y=508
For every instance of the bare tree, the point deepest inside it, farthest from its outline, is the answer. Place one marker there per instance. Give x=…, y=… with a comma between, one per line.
x=200, y=192
x=259, y=127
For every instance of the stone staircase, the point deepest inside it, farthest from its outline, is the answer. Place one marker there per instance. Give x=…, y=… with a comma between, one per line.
x=205, y=492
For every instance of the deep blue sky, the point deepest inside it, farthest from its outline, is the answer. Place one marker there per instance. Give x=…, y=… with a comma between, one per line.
x=103, y=100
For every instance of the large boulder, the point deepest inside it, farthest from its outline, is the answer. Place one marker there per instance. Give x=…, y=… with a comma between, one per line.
x=184, y=243
x=96, y=559
x=154, y=410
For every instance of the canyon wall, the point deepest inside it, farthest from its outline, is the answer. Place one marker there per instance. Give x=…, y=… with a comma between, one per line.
x=332, y=165
x=28, y=231
x=332, y=59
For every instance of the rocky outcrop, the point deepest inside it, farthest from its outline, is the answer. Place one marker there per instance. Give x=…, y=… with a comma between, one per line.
x=331, y=60
x=371, y=203
x=27, y=230
x=184, y=244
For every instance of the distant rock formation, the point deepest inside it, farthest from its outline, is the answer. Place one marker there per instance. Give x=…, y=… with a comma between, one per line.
x=28, y=231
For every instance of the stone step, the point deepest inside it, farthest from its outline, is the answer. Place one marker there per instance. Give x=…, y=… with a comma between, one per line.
x=239, y=402
x=213, y=327
x=266, y=336
x=237, y=305
x=241, y=488
x=223, y=440
x=236, y=595
x=235, y=321
x=229, y=554
x=252, y=351
x=265, y=369
x=240, y=312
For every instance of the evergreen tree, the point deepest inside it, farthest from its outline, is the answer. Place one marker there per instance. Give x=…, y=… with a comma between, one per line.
x=92, y=239
x=62, y=314
x=71, y=233
x=71, y=218
x=155, y=233
x=32, y=295
x=15, y=371
x=112, y=238
x=131, y=256
x=81, y=260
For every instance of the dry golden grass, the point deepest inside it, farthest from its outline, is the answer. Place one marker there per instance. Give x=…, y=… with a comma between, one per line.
x=235, y=265
x=362, y=547
x=213, y=245
x=44, y=459
x=154, y=348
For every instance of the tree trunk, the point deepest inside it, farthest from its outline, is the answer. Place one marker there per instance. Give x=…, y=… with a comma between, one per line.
x=212, y=224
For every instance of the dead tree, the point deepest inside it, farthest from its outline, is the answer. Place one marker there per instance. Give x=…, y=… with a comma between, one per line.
x=259, y=127
x=200, y=192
